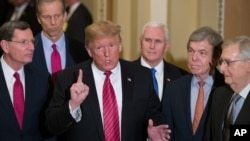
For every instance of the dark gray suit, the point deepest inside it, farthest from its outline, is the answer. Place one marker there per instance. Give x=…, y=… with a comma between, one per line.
x=139, y=104
x=220, y=104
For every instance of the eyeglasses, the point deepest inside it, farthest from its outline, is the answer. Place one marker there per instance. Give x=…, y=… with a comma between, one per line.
x=227, y=62
x=24, y=42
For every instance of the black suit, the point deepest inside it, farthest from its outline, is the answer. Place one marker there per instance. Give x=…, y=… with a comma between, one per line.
x=36, y=90
x=176, y=107
x=75, y=53
x=29, y=16
x=77, y=23
x=171, y=72
x=139, y=104
x=219, y=109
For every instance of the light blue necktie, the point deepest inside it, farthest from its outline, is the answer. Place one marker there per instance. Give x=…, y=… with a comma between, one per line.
x=153, y=71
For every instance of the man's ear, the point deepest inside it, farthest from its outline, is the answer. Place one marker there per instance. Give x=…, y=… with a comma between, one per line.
x=4, y=45
x=248, y=65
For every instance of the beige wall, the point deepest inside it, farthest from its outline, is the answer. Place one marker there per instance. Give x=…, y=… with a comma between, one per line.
x=181, y=17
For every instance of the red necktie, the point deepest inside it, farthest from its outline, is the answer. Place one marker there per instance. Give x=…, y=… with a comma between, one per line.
x=199, y=107
x=110, y=111
x=55, y=61
x=18, y=99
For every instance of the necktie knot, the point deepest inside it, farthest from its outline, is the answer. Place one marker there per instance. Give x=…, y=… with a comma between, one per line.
x=153, y=71
x=16, y=75
x=107, y=73
x=235, y=98
x=54, y=46
x=201, y=83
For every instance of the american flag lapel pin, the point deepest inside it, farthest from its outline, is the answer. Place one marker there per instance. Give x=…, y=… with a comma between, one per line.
x=129, y=79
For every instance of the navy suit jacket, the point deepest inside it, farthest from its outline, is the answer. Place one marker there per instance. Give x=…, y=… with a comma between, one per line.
x=75, y=53
x=36, y=92
x=219, y=109
x=139, y=103
x=176, y=107
x=77, y=23
x=171, y=72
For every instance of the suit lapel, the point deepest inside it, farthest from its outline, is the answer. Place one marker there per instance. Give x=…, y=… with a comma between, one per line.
x=39, y=56
x=5, y=101
x=92, y=101
x=244, y=116
x=187, y=89
x=127, y=96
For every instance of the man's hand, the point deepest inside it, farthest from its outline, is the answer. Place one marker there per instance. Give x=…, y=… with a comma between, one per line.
x=158, y=133
x=78, y=92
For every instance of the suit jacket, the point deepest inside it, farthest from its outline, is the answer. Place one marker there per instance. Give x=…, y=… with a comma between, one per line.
x=176, y=107
x=219, y=108
x=36, y=92
x=75, y=53
x=29, y=16
x=171, y=72
x=139, y=104
x=77, y=23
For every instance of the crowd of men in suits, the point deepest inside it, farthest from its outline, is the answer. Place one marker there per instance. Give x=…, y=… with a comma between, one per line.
x=154, y=99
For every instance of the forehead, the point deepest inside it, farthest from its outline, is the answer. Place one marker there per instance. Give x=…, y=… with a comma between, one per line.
x=230, y=51
x=201, y=45
x=154, y=31
x=23, y=34
x=47, y=8
x=105, y=40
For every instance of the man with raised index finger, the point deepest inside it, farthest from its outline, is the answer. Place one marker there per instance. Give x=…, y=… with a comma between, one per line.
x=108, y=100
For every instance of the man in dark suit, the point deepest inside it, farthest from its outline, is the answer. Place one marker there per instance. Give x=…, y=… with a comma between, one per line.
x=77, y=20
x=77, y=109
x=16, y=41
x=182, y=96
x=235, y=55
x=24, y=10
x=51, y=15
x=154, y=43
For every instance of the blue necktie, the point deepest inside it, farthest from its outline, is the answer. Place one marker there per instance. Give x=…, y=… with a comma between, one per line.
x=153, y=71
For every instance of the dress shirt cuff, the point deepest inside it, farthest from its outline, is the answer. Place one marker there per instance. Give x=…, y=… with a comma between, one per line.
x=76, y=114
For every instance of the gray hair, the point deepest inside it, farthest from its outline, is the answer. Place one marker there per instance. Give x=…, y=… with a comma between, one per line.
x=156, y=24
x=7, y=29
x=244, y=46
x=214, y=39
x=40, y=2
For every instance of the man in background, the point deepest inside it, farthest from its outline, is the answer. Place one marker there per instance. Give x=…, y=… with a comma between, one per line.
x=186, y=102
x=235, y=66
x=24, y=10
x=154, y=43
x=78, y=19
x=54, y=50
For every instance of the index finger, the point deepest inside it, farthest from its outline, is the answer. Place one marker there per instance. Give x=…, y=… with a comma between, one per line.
x=80, y=76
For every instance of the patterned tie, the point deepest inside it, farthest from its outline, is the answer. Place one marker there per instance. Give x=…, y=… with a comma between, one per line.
x=153, y=71
x=110, y=111
x=18, y=99
x=199, y=108
x=230, y=116
x=55, y=62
